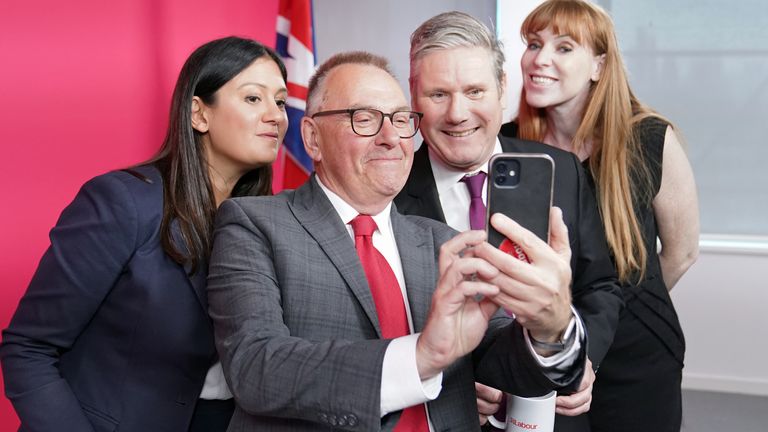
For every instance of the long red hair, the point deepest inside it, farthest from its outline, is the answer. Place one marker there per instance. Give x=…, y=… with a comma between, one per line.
x=608, y=121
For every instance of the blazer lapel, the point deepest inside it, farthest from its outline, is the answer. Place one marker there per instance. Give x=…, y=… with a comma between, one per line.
x=419, y=196
x=315, y=213
x=197, y=280
x=509, y=144
x=417, y=254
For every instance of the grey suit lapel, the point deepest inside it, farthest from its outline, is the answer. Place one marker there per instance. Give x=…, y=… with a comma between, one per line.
x=315, y=213
x=417, y=254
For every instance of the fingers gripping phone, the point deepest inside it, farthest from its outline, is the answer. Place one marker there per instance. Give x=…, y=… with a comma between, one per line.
x=520, y=186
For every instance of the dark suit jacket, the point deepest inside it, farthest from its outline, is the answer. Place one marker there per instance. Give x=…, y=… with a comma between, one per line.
x=296, y=325
x=596, y=292
x=111, y=333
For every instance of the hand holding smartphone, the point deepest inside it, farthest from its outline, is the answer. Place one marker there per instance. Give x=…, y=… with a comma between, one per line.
x=520, y=187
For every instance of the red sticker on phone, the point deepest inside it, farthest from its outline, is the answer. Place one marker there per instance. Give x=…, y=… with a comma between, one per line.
x=513, y=249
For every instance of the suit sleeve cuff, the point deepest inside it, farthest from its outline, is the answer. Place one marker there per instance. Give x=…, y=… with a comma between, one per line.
x=560, y=362
x=401, y=386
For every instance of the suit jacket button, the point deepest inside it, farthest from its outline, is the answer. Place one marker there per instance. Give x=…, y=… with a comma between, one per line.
x=323, y=417
x=333, y=420
x=352, y=420
x=343, y=420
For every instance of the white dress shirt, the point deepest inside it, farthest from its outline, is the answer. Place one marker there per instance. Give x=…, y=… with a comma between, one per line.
x=215, y=386
x=453, y=193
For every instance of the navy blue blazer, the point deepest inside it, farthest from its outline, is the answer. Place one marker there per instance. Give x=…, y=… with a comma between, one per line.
x=111, y=333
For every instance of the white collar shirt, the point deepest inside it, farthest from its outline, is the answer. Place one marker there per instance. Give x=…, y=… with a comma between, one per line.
x=453, y=193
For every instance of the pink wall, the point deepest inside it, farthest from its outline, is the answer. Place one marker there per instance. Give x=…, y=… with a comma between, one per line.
x=84, y=88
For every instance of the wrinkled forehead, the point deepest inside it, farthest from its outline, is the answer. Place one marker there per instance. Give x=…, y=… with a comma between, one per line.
x=363, y=86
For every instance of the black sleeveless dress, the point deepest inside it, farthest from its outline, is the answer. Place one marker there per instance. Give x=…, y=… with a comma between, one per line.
x=638, y=383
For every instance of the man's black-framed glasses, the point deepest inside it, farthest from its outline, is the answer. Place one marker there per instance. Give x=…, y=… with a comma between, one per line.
x=367, y=122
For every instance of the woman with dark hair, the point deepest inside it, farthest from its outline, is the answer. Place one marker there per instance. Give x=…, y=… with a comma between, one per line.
x=113, y=331
x=576, y=96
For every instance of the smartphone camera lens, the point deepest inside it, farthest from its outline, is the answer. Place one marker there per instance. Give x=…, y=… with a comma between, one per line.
x=506, y=172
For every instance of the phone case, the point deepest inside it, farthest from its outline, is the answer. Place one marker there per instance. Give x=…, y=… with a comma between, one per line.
x=520, y=186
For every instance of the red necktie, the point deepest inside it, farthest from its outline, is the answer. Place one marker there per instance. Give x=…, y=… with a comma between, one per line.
x=475, y=183
x=390, y=307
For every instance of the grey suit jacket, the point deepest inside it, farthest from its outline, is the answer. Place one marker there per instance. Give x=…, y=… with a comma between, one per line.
x=296, y=325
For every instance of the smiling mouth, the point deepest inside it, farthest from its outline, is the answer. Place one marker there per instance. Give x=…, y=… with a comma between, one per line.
x=461, y=134
x=542, y=80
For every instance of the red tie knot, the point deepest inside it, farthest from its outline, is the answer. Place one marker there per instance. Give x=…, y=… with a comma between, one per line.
x=363, y=225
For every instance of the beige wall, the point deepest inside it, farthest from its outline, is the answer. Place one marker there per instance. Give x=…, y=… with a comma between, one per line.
x=722, y=303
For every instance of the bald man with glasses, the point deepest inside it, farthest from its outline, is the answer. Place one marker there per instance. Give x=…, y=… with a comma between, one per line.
x=333, y=311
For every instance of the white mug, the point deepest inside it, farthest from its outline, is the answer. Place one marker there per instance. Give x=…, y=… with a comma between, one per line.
x=528, y=414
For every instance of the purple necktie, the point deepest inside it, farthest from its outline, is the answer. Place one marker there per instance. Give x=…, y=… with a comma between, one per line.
x=475, y=183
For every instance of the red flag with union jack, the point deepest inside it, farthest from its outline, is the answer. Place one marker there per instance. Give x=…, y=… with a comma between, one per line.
x=295, y=44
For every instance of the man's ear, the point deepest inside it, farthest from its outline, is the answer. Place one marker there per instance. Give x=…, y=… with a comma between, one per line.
x=310, y=136
x=199, y=115
x=597, y=67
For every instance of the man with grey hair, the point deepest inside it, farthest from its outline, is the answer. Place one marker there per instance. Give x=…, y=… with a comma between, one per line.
x=333, y=311
x=457, y=80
